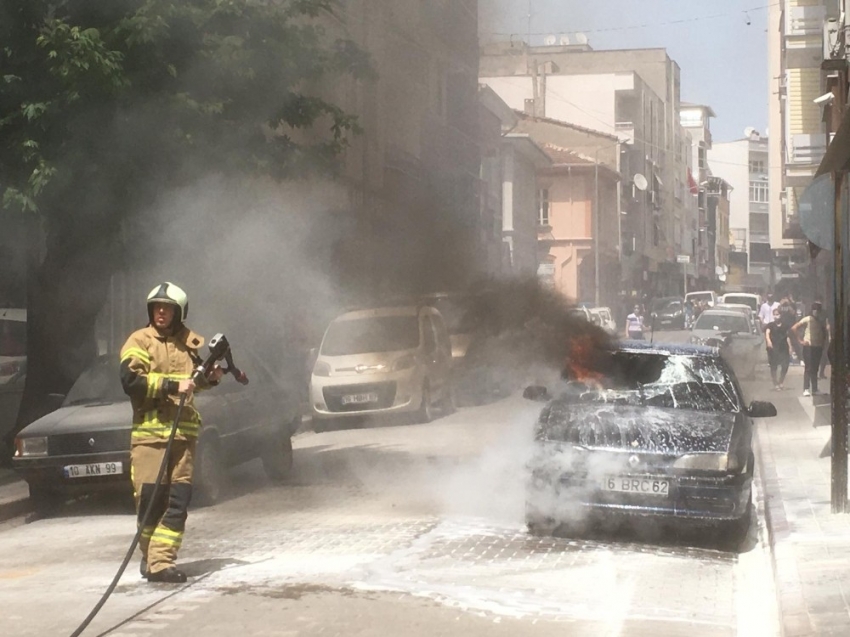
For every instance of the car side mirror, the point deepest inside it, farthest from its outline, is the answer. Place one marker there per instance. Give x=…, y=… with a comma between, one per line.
x=55, y=401
x=537, y=393
x=761, y=409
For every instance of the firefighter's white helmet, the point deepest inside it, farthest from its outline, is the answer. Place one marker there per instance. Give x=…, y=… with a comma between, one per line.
x=169, y=293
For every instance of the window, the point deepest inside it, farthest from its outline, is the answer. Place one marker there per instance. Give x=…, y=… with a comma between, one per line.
x=760, y=253
x=759, y=223
x=702, y=156
x=543, y=207
x=759, y=192
x=757, y=166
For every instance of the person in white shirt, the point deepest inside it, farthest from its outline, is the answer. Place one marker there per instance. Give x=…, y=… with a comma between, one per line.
x=634, y=325
x=766, y=311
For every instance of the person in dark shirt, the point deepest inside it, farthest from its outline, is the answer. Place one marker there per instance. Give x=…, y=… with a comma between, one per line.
x=778, y=349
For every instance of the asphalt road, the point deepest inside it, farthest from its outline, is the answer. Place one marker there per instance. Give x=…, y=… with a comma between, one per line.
x=413, y=530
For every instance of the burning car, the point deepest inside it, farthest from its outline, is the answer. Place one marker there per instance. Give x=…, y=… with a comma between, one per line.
x=663, y=432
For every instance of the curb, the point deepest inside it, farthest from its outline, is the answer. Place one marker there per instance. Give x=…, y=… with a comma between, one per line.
x=769, y=518
x=14, y=508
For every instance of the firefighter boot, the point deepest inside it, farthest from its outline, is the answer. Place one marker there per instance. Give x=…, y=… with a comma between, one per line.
x=143, y=567
x=171, y=575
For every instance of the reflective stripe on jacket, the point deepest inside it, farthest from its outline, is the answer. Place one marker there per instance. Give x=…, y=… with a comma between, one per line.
x=151, y=367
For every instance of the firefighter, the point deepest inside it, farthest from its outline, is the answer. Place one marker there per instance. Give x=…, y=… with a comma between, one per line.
x=156, y=369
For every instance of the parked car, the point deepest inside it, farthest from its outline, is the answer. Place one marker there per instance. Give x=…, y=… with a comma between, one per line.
x=739, y=340
x=668, y=312
x=604, y=318
x=84, y=446
x=13, y=369
x=454, y=308
x=742, y=298
x=664, y=434
x=706, y=295
x=388, y=360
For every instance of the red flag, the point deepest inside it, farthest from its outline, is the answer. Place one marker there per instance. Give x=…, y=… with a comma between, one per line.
x=692, y=183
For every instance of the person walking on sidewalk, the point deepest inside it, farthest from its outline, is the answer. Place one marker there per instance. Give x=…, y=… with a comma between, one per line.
x=778, y=344
x=813, y=338
x=766, y=311
x=634, y=325
x=156, y=370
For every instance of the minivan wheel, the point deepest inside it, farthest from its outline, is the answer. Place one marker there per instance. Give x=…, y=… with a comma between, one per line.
x=210, y=473
x=426, y=408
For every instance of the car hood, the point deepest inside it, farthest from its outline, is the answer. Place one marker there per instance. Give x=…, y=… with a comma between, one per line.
x=95, y=416
x=637, y=429
x=363, y=364
x=79, y=418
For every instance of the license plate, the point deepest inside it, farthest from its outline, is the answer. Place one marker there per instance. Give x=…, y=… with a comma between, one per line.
x=639, y=486
x=359, y=399
x=93, y=470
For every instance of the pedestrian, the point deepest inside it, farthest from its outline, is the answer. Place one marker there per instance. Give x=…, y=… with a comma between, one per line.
x=813, y=338
x=634, y=325
x=766, y=311
x=156, y=370
x=689, y=314
x=778, y=344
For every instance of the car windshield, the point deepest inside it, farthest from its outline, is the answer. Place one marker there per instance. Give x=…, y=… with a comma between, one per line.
x=13, y=338
x=368, y=335
x=99, y=383
x=742, y=300
x=456, y=316
x=697, y=383
x=722, y=322
x=668, y=306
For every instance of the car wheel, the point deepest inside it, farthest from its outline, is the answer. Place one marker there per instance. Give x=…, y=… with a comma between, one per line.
x=45, y=501
x=541, y=527
x=210, y=472
x=425, y=414
x=277, y=456
x=447, y=405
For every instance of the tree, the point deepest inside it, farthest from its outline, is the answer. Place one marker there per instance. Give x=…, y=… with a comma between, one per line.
x=103, y=105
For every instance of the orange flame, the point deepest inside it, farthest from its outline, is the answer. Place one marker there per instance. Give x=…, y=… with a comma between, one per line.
x=579, y=363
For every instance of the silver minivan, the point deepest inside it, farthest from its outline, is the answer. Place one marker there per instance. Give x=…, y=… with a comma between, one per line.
x=392, y=360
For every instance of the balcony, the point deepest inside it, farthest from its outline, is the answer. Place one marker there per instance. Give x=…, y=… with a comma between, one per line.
x=806, y=150
x=625, y=131
x=804, y=21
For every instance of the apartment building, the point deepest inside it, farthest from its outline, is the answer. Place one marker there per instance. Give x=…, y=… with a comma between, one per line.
x=634, y=95
x=696, y=120
x=798, y=140
x=744, y=164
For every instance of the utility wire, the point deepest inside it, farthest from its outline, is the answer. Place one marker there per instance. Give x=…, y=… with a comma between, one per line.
x=646, y=25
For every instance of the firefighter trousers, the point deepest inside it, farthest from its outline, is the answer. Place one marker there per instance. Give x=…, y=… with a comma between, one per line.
x=162, y=535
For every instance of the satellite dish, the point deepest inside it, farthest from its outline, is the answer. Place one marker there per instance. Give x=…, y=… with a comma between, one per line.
x=565, y=40
x=550, y=40
x=719, y=270
x=749, y=132
x=641, y=182
x=581, y=38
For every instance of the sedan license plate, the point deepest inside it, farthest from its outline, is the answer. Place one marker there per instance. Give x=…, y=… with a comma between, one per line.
x=94, y=469
x=638, y=486
x=359, y=399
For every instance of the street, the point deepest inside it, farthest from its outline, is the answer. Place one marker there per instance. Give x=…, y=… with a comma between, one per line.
x=416, y=529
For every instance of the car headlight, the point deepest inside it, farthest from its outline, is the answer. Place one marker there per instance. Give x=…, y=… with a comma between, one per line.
x=405, y=362
x=703, y=462
x=28, y=447
x=321, y=368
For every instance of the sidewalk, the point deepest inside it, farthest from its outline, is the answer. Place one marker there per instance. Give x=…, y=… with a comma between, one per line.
x=810, y=546
x=14, y=495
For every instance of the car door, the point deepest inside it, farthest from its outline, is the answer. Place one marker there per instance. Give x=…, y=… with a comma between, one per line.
x=444, y=349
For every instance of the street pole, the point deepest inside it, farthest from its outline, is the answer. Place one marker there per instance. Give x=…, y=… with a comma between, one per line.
x=596, y=213
x=839, y=354
x=685, y=277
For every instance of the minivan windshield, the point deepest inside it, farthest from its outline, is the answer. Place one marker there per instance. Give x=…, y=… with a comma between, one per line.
x=722, y=322
x=700, y=296
x=374, y=334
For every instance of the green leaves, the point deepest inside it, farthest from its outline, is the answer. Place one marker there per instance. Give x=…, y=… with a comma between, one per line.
x=103, y=105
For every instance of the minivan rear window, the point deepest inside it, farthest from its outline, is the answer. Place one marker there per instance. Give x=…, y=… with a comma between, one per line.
x=13, y=338
x=367, y=335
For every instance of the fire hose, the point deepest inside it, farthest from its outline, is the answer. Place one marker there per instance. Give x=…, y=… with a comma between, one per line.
x=219, y=350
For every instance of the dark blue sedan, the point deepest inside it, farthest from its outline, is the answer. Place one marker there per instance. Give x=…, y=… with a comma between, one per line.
x=663, y=432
